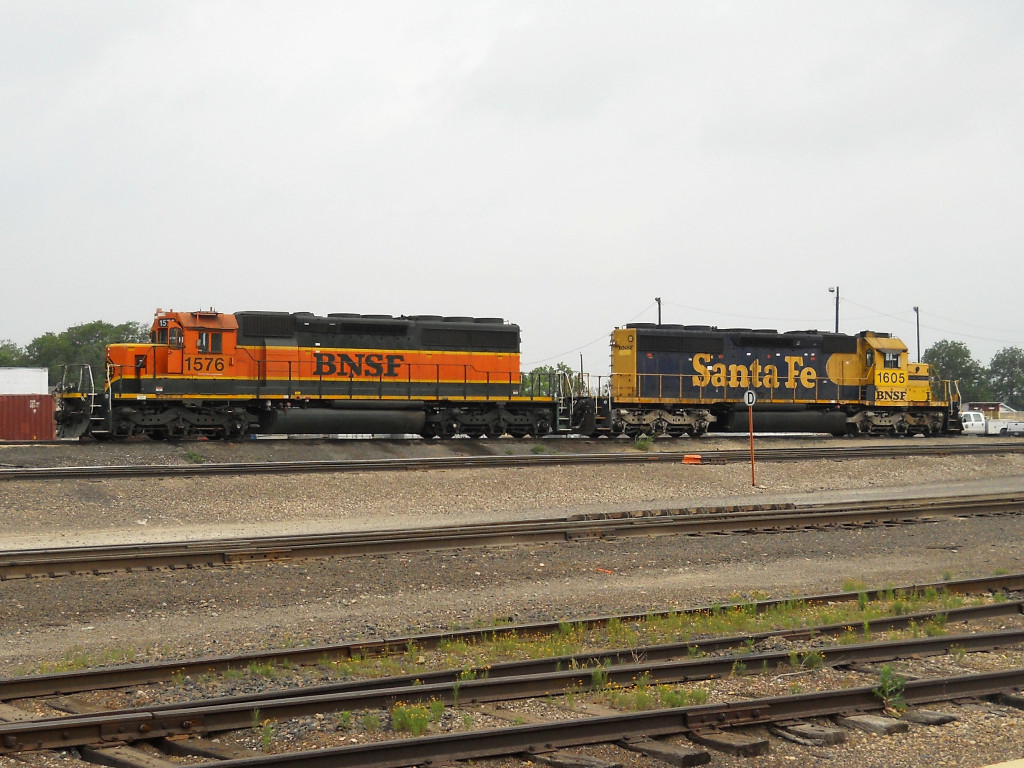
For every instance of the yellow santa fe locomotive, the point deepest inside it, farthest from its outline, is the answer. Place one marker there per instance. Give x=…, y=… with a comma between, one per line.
x=687, y=379
x=224, y=375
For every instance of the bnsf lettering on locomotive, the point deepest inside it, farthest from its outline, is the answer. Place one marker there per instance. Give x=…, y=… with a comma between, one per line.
x=890, y=394
x=329, y=364
x=755, y=374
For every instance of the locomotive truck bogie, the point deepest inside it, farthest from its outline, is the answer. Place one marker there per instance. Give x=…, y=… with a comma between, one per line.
x=673, y=422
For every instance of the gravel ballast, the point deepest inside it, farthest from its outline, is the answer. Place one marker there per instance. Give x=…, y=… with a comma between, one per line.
x=178, y=614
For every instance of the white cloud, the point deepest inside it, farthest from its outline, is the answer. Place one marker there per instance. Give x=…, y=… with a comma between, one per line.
x=559, y=164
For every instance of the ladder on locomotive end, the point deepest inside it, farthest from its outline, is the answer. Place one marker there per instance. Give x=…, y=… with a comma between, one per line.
x=565, y=400
x=77, y=378
x=575, y=408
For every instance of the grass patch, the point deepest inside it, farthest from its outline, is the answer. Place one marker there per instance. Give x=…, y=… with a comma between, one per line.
x=890, y=689
x=264, y=669
x=416, y=718
x=75, y=658
x=475, y=656
x=643, y=696
x=569, y=639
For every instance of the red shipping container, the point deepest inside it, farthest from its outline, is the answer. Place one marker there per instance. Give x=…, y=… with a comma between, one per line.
x=27, y=417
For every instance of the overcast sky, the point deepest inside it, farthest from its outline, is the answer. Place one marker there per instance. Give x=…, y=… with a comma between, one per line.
x=558, y=164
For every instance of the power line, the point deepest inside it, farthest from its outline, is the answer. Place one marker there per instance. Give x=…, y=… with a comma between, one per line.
x=905, y=317
x=591, y=343
x=719, y=312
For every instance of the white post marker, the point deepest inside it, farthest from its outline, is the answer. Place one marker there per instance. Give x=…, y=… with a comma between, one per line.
x=749, y=397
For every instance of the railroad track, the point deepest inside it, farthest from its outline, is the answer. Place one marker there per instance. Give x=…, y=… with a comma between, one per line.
x=26, y=563
x=638, y=731
x=845, y=452
x=143, y=673
x=549, y=677
x=235, y=713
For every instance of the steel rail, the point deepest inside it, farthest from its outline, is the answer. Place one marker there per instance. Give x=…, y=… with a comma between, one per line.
x=159, y=671
x=846, y=452
x=232, y=713
x=223, y=552
x=587, y=662
x=514, y=740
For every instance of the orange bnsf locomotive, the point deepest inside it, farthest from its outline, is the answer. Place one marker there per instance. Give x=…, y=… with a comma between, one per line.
x=226, y=376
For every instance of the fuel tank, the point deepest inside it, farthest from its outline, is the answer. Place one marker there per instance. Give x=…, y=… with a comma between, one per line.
x=829, y=422
x=337, y=421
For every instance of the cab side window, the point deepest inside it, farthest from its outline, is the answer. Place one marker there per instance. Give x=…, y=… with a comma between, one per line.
x=892, y=360
x=210, y=343
x=174, y=338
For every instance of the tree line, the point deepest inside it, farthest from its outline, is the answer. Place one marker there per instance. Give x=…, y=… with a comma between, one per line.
x=85, y=343
x=1002, y=380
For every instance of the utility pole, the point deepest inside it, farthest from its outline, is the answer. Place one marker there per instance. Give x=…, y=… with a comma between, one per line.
x=836, y=292
x=917, y=313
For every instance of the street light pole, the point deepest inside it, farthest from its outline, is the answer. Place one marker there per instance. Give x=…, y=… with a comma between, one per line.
x=917, y=313
x=658, y=299
x=836, y=292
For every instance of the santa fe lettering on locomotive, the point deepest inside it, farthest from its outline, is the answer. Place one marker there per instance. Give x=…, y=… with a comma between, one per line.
x=755, y=374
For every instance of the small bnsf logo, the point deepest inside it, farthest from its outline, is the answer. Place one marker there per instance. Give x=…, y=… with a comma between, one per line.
x=330, y=364
x=890, y=394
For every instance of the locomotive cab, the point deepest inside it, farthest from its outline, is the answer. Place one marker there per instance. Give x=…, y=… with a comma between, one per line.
x=902, y=397
x=891, y=378
x=195, y=342
x=200, y=343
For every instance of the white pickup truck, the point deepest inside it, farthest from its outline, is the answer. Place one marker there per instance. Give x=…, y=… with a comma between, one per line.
x=977, y=423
